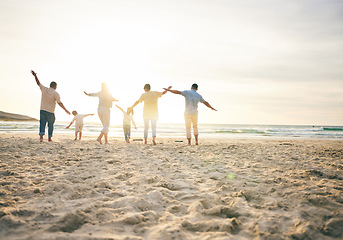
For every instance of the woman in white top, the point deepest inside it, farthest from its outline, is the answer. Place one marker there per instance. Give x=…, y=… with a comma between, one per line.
x=105, y=103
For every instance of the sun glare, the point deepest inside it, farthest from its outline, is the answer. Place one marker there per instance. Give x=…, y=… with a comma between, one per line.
x=121, y=56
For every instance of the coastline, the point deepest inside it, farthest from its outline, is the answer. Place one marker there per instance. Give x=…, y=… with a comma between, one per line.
x=221, y=189
x=10, y=117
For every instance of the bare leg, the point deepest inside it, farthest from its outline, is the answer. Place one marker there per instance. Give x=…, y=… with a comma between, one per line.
x=80, y=135
x=154, y=140
x=105, y=135
x=196, y=139
x=41, y=138
x=75, y=136
x=145, y=140
x=100, y=137
x=189, y=141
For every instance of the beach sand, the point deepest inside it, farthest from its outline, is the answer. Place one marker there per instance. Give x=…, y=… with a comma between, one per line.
x=221, y=189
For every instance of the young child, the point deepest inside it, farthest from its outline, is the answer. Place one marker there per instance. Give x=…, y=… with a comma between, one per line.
x=78, y=118
x=127, y=122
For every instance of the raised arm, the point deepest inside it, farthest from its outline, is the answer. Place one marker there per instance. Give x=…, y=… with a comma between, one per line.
x=36, y=78
x=209, y=106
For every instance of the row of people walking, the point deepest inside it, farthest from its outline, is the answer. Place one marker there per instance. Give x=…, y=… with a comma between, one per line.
x=150, y=98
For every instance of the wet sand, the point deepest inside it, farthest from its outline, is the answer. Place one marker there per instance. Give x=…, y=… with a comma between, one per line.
x=221, y=189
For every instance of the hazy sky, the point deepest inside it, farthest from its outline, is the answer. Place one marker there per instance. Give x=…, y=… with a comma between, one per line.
x=257, y=62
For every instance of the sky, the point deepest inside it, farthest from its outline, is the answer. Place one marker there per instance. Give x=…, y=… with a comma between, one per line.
x=256, y=62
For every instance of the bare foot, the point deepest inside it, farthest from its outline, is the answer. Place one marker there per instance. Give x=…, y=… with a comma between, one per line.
x=99, y=140
x=153, y=141
x=145, y=141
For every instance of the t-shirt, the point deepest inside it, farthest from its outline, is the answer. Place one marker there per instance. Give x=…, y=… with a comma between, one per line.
x=192, y=99
x=79, y=119
x=105, y=99
x=127, y=119
x=49, y=99
x=150, y=110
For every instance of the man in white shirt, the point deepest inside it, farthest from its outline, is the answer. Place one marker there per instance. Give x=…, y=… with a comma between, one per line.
x=191, y=110
x=150, y=110
x=47, y=107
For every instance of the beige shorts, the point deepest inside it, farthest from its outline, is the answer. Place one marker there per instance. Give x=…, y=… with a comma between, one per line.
x=78, y=127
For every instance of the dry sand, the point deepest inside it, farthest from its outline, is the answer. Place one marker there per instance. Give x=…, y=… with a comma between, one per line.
x=227, y=189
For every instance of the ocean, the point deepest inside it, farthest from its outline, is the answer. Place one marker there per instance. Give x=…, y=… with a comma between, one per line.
x=205, y=130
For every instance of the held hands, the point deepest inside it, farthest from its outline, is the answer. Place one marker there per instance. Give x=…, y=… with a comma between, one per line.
x=86, y=93
x=167, y=89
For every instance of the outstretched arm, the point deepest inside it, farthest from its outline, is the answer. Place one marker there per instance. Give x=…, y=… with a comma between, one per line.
x=120, y=108
x=70, y=124
x=209, y=106
x=165, y=90
x=91, y=114
x=135, y=104
x=134, y=124
x=36, y=78
x=172, y=91
x=63, y=107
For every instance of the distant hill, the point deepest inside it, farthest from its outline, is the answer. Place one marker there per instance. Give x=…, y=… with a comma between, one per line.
x=4, y=116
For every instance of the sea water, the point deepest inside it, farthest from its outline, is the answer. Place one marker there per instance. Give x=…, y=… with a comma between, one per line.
x=205, y=130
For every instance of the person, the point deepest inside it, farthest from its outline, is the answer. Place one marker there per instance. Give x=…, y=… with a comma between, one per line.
x=192, y=98
x=127, y=122
x=104, y=113
x=150, y=110
x=78, y=119
x=47, y=107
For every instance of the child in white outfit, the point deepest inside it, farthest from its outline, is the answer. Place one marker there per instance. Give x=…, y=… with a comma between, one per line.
x=78, y=118
x=127, y=123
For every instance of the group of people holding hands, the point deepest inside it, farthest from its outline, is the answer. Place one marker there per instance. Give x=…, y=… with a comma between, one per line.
x=150, y=98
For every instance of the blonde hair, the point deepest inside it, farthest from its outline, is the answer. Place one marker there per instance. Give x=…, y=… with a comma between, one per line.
x=130, y=110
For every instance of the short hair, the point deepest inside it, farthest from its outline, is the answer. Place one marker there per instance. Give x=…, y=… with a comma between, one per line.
x=74, y=112
x=53, y=84
x=147, y=86
x=195, y=86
